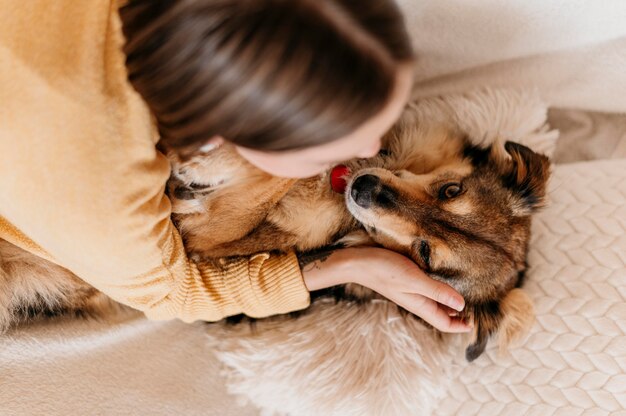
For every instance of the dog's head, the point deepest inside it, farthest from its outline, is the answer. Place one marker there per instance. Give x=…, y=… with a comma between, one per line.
x=466, y=223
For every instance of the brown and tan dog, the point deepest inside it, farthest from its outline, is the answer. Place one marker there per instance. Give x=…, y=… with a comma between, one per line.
x=458, y=208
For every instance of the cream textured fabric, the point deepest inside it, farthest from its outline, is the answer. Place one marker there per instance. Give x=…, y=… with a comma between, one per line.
x=125, y=365
x=573, y=51
x=574, y=362
x=576, y=127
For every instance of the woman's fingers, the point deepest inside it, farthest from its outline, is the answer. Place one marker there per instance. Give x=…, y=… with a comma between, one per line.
x=431, y=312
x=400, y=280
x=449, y=311
x=440, y=292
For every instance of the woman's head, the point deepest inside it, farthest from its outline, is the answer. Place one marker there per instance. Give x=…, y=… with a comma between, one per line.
x=277, y=78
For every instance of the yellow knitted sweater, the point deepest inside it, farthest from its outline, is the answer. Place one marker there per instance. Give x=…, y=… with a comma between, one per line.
x=82, y=185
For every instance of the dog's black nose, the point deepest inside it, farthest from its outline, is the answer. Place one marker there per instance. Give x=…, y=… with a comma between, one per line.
x=363, y=190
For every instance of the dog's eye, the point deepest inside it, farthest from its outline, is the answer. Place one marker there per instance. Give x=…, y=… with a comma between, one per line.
x=450, y=190
x=384, y=152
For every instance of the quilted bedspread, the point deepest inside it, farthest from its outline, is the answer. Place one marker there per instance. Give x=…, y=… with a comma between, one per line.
x=574, y=361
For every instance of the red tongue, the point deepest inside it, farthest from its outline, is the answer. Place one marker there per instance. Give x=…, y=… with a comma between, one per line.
x=338, y=178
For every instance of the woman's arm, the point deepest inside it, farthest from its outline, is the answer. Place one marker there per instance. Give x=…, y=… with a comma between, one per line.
x=97, y=207
x=170, y=287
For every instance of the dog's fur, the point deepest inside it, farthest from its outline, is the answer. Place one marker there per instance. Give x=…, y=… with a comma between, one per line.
x=31, y=287
x=458, y=206
x=475, y=238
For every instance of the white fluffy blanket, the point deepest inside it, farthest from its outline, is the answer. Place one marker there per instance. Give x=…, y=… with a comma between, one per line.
x=575, y=360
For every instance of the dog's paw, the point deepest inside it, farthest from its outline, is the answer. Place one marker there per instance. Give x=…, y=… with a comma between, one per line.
x=359, y=238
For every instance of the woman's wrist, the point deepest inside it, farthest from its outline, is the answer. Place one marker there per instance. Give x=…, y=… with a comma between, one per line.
x=324, y=268
x=329, y=267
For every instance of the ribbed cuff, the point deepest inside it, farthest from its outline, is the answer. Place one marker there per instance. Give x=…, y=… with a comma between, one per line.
x=280, y=285
x=270, y=285
x=258, y=286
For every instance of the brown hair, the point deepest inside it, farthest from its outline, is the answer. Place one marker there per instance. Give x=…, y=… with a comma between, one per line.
x=264, y=74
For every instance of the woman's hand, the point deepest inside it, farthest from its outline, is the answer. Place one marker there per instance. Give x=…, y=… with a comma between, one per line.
x=390, y=274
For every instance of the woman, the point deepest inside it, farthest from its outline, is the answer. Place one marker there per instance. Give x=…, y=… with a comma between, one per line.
x=296, y=85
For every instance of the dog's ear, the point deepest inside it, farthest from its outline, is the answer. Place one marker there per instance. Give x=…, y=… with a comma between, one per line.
x=526, y=175
x=486, y=317
x=518, y=316
x=511, y=318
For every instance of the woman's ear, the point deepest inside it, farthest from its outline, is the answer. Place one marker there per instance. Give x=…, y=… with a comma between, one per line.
x=526, y=175
x=211, y=144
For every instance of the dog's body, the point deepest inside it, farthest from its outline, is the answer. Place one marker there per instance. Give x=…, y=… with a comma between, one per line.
x=31, y=286
x=458, y=207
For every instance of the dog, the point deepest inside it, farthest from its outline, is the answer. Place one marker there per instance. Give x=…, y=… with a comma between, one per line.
x=458, y=206
x=353, y=353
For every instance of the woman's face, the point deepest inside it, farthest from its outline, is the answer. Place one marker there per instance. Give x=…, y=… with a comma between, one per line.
x=362, y=143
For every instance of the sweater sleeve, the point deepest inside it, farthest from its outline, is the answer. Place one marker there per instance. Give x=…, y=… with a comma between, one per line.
x=258, y=286
x=82, y=184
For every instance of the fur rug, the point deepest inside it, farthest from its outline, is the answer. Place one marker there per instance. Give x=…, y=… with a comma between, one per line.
x=343, y=358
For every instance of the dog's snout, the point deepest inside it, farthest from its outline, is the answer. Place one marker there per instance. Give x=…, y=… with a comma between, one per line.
x=363, y=190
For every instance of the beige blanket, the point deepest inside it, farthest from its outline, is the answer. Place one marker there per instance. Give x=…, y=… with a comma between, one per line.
x=573, y=51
